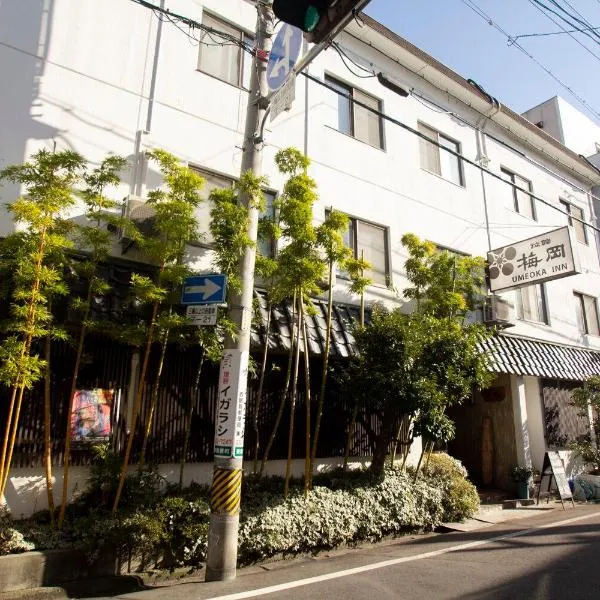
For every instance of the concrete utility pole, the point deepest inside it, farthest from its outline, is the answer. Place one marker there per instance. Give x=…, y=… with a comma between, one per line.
x=231, y=402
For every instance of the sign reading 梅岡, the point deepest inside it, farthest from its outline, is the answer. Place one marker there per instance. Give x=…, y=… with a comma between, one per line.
x=535, y=260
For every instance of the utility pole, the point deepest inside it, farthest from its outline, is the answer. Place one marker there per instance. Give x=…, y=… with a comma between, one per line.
x=233, y=376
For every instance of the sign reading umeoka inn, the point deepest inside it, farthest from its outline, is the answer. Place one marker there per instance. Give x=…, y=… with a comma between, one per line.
x=534, y=260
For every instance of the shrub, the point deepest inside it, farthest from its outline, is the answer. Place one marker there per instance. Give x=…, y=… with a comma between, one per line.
x=459, y=496
x=11, y=540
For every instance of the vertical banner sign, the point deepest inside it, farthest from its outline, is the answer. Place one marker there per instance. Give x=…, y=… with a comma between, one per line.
x=231, y=405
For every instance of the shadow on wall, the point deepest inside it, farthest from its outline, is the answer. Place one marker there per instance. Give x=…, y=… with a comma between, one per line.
x=24, y=40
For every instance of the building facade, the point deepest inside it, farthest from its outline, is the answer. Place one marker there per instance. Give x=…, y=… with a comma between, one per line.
x=116, y=77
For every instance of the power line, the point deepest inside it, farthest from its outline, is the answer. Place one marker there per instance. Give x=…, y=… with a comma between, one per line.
x=563, y=31
x=547, y=8
x=536, y=4
x=583, y=21
x=458, y=155
x=471, y=4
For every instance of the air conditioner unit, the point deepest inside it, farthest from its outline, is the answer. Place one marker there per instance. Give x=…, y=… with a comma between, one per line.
x=141, y=214
x=498, y=311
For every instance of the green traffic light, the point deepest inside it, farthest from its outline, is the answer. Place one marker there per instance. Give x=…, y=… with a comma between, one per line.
x=311, y=18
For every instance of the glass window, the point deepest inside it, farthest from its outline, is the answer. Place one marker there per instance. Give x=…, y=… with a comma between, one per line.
x=531, y=303
x=577, y=225
x=355, y=120
x=518, y=200
x=368, y=241
x=266, y=247
x=435, y=159
x=586, y=310
x=227, y=62
x=211, y=181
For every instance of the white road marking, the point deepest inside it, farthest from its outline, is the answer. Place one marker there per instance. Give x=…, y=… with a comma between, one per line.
x=391, y=562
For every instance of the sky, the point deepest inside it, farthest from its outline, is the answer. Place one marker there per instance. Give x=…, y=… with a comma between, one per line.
x=454, y=34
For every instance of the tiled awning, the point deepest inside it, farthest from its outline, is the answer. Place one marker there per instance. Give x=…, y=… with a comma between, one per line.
x=524, y=356
x=342, y=340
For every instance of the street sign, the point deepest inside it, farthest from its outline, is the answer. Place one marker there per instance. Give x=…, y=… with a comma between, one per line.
x=202, y=315
x=283, y=56
x=541, y=258
x=204, y=289
x=282, y=99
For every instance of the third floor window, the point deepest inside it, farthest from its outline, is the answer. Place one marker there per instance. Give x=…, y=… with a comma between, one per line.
x=225, y=61
x=576, y=224
x=437, y=160
x=518, y=200
x=356, y=120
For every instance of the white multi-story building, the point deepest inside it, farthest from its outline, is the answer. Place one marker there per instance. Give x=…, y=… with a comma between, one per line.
x=111, y=77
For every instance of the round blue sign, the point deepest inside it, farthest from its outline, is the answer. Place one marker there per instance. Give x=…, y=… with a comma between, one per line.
x=283, y=56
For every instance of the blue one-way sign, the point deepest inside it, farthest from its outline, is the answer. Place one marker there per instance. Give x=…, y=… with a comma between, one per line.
x=283, y=56
x=204, y=289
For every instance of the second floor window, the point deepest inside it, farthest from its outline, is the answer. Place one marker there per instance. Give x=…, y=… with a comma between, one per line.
x=436, y=160
x=531, y=304
x=577, y=225
x=586, y=309
x=517, y=200
x=224, y=60
x=356, y=120
x=369, y=241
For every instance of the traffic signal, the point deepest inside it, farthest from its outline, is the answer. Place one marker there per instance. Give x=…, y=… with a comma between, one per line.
x=319, y=19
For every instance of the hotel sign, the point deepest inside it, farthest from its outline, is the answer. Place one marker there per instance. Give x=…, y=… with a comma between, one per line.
x=534, y=260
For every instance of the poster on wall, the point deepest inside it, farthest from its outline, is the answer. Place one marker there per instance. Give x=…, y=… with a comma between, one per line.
x=90, y=419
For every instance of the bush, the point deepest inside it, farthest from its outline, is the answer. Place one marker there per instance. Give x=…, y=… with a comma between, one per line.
x=11, y=540
x=459, y=496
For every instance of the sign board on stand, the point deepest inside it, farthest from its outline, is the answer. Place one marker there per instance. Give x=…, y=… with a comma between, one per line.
x=534, y=260
x=554, y=468
x=202, y=315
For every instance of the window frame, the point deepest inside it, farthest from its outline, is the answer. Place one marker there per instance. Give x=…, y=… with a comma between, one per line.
x=504, y=171
x=568, y=206
x=354, y=221
x=203, y=172
x=333, y=81
x=458, y=145
x=243, y=35
x=540, y=296
x=580, y=299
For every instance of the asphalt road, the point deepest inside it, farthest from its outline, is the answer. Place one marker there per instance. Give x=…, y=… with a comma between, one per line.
x=549, y=555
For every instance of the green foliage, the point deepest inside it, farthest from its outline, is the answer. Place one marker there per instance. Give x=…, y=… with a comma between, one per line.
x=443, y=284
x=459, y=496
x=522, y=474
x=584, y=398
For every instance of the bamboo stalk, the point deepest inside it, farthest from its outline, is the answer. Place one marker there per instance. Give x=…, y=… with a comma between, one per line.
x=188, y=419
x=47, y=431
x=288, y=464
x=260, y=390
x=308, y=464
x=136, y=408
x=11, y=409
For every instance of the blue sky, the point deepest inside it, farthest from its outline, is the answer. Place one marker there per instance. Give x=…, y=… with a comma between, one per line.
x=454, y=34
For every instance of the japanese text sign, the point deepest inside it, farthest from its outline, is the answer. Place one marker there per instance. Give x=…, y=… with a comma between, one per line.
x=231, y=404
x=534, y=260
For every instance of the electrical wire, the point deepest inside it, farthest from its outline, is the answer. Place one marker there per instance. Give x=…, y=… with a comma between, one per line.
x=547, y=8
x=340, y=50
x=529, y=35
x=394, y=121
x=536, y=4
x=583, y=21
x=477, y=10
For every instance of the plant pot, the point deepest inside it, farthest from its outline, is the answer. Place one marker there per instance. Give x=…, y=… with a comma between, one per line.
x=593, y=480
x=523, y=490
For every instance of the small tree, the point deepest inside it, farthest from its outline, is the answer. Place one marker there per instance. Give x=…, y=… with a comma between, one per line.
x=587, y=400
x=49, y=179
x=174, y=225
x=94, y=238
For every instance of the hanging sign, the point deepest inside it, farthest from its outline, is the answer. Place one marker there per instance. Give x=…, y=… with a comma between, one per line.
x=534, y=260
x=90, y=418
x=554, y=468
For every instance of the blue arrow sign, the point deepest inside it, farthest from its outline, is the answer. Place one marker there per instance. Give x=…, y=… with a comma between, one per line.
x=283, y=56
x=204, y=289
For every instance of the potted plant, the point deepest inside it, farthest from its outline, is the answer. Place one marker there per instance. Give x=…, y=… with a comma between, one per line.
x=523, y=477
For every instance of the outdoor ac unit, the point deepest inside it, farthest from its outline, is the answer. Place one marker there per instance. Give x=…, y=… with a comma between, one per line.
x=142, y=214
x=498, y=311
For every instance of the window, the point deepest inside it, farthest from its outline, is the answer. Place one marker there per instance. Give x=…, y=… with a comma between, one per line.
x=586, y=308
x=214, y=181
x=227, y=62
x=356, y=120
x=517, y=200
x=370, y=242
x=438, y=161
x=267, y=247
x=578, y=226
x=531, y=303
